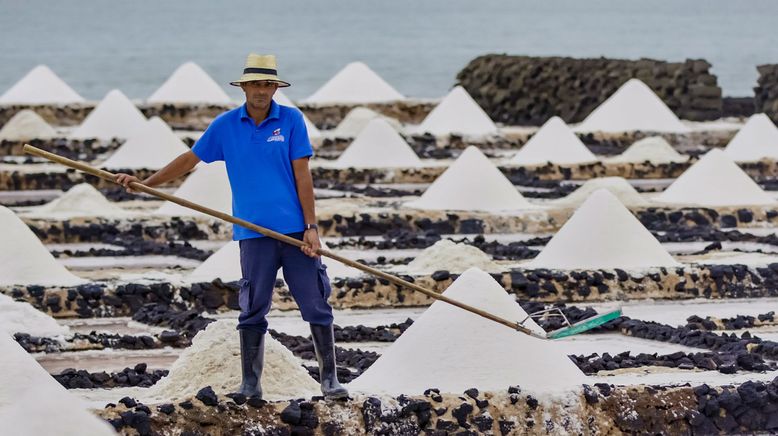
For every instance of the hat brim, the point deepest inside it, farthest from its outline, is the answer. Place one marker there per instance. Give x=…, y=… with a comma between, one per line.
x=254, y=77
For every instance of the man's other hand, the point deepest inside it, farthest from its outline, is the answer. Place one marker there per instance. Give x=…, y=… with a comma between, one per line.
x=312, y=243
x=125, y=180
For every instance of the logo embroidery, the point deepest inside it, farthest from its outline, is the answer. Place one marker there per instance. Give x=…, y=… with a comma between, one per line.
x=277, y=136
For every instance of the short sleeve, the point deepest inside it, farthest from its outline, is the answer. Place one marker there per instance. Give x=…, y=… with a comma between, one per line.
x=208, y=148
x=299, y=144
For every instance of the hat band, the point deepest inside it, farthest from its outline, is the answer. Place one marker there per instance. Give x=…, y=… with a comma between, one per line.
x=260, y=71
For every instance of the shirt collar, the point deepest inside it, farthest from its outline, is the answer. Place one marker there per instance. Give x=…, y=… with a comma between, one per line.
x=273, y=113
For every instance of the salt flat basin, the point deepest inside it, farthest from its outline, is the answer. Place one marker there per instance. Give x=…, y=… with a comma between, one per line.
x=122, y=325
x=90, y=263
x=108, y=360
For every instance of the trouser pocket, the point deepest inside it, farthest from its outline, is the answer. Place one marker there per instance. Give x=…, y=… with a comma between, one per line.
x=244, y=295
x=324, y=281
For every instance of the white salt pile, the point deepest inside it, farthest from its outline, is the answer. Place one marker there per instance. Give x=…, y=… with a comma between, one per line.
x=151, y=147
x=283, y=100
x=378, y=145
x=554, y=143
x=356, y=83
x=471, y=183
x=454, y=350
x=208, y=185
x=653, y=149
x=602, y=234
x=32, y=403
x=26, y=125
x=458, y=113
x=189, y=84
x=357, y=119
x=80, y=200
x=757, y=139
x=21, y=317
x=213, y=360
x=715, y=180
x=452, y=257
x=40, y=86
x=634, y=106
x=23, y=258
x=617, y=186
x=114, y=117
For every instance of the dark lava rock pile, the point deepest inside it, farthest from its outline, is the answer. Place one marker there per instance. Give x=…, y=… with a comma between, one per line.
x=137, y=376
x=722, y=362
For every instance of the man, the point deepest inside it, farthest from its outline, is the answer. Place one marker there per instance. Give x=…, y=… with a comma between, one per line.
x=266, y=150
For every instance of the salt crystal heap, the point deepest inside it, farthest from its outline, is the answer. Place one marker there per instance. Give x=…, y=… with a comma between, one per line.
x=283, y=100
x=633, y=107
x=554, y=143
x=715, y=180
x=40, y=86
x=458, y=113
x=602, y=234
x=356, y=83
x=189, y=84
x=26, y=125
x=471, y=183
x=378, y=145
x=455, y=350
x=114, y=117
x=21, y=317
x=757, y=139
x=208, y=185
x=23, y=258
x=452, y=257
x=617, y=186
x=82, y=200
x=653, y=149
x=357, y=119
x=152, y=147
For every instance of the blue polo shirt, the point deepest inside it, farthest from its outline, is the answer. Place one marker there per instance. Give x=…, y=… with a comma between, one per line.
x=259, y=165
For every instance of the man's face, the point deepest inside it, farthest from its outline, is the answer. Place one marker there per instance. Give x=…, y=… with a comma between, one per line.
x=259, y=93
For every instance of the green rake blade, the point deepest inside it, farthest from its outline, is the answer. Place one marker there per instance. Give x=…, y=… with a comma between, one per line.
x=585, y=325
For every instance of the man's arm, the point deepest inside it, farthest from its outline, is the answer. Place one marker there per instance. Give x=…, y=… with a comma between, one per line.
x=304, y=181
x=176, y=168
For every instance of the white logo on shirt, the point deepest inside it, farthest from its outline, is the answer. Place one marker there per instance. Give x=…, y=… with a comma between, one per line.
x=276, y=137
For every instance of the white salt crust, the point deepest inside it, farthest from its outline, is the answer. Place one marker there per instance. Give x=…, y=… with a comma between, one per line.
x=554, y=143
x=458, y=113
x=114, y=117
x=40, y=86
x=356, y=83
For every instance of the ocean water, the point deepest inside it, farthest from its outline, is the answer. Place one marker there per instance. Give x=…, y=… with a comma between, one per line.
x=416, y=45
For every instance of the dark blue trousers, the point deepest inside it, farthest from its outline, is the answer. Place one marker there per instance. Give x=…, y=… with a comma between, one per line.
x=305, y=276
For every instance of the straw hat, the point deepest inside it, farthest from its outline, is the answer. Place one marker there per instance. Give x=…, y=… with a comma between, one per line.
x=260, y=67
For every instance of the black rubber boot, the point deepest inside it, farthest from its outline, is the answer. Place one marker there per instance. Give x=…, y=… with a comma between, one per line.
x=252, y=359
x=324, y=344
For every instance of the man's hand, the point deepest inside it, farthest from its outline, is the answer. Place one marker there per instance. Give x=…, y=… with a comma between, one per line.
x=312, y=243
x=125, y=180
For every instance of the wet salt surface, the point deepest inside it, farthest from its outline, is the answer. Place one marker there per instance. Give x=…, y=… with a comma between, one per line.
x=675, y=313
x=89, y=263
x=121, y=325
x=82, y=246
x=10, y=197
x=107, y=360
x=668, y=377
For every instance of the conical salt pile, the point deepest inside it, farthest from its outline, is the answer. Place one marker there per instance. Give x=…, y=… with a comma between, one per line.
x=22, y=317
x=357, y=119
x=213, y=360
x=458, y=113
x=452, y=257
x=152, y=147
x=189, y=84
x=634, y=106
x=757, y=139
x=356, y=83
x=40, y=86
x=653, y=149
x=715, y=180
x=283, y=100
x=454, y=350
x=23, y=258
x=378, y=145
x=554, y=143
x=26, y=125
x=602, y=234
x=208, y=186
x=80, y=200
x=33, y=403
x=114, y=117
x=472, y=183
x=617, y=186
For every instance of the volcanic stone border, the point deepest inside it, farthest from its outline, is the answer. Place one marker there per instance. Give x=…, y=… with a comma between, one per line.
x=86, y=150
x=407, y=111
x=26, y=179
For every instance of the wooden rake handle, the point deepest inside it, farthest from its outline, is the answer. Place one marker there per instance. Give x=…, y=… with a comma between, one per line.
x=111, y=177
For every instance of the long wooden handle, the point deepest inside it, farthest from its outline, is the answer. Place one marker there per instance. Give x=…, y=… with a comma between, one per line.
x=81, y=166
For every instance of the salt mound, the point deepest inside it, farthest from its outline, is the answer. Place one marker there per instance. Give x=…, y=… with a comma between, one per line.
x=213, y=360
x=40, y=86
x=634, y=106
x=283, y=100
x=453, y=257
x=151, y=147
x=357, y=119
x=21, y=317
x=355, y=83
x=378, y=146
x=653, y=149
x=208, y=186
x=471, y=183
x=114, y=117
x=26, y=125
x=757, y=139
x=454, y=350
x=602, y=234
x=24, y=260
x=617, y=186
x=32, y=403
x=715, y=180
x=554, y=143
x=189, y=84
x=80, y=200
x=458, y=113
